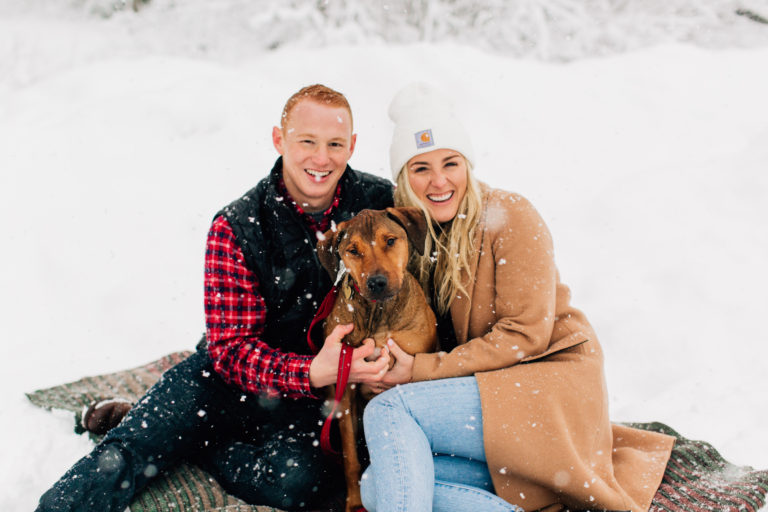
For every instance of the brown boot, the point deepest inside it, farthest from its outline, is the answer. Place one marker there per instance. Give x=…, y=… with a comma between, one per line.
x=103, y=415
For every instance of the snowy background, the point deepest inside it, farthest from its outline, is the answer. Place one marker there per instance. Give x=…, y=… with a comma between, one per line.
x=638, y=129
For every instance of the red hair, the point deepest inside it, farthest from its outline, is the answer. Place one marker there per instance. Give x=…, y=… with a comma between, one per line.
x=319, y=94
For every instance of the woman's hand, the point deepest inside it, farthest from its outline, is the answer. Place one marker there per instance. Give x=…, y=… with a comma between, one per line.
x=325, y=365
x=402, y=371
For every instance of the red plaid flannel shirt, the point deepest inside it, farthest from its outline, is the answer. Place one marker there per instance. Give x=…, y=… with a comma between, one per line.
x=235, y=313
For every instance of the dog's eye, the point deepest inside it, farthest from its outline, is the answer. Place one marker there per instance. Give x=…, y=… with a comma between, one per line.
x=353, y=251
x=391, y=241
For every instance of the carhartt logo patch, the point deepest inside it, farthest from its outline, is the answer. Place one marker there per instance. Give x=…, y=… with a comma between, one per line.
x=424, y=139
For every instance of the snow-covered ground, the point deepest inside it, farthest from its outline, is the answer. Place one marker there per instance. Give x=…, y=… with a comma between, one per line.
x=649, y=167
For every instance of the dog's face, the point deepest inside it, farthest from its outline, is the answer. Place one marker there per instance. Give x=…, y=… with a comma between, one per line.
x=374, y=246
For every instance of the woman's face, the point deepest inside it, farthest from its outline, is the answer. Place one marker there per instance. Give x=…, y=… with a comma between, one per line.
x=439, y=180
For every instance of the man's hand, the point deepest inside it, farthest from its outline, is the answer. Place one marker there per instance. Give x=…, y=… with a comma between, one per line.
x=325, y=365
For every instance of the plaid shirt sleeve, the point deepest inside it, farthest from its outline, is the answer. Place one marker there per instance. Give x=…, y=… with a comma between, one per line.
x=235, y=313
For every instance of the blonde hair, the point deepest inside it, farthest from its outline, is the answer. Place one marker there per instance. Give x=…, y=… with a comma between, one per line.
x=447, y=250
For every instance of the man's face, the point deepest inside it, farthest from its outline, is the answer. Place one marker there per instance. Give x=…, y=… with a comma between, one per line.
x=316, y=144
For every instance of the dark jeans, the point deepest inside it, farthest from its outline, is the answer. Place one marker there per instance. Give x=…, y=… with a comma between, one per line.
x=259, y=449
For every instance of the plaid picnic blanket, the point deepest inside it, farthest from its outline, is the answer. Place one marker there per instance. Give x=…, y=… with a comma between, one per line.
x=697, y=478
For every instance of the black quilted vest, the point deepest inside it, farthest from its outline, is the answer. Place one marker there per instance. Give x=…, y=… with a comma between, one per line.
x=280, y=249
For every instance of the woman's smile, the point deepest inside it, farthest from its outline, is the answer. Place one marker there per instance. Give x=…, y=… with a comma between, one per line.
x=440, y=198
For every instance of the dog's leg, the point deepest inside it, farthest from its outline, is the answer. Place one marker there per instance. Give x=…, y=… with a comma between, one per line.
x=352, y=469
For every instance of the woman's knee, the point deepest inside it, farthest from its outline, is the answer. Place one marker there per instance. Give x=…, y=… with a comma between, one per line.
x=381, y=405
x=368, y=490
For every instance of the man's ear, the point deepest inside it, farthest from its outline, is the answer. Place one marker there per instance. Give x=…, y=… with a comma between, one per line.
x=414, y=223
x=327, y=251
x=277, y=139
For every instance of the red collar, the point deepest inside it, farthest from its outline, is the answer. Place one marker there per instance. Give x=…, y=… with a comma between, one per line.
x=357, y=288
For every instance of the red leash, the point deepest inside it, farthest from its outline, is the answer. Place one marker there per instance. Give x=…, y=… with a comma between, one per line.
x=345, y=364
x=342, y=376
x=322, y=313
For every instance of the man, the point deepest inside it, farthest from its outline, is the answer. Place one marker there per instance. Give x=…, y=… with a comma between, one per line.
x=247, y=406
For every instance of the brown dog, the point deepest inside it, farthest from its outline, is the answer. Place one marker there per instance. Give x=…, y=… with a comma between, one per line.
x=380, y=297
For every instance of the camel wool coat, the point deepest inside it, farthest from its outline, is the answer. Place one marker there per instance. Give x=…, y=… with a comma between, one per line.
x=548, y=440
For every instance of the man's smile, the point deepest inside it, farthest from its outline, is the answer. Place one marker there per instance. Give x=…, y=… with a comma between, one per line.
x=318, y=175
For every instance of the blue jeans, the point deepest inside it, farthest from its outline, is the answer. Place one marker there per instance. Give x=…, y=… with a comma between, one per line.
x=426, y=447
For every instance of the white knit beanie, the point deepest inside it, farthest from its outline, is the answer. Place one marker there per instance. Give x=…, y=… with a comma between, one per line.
x=425, y=120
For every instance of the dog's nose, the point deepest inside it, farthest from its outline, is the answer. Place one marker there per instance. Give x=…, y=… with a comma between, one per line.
x=377, y=284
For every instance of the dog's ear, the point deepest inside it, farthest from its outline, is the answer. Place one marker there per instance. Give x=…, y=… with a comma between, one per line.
x=327, y=250
x=414, y=223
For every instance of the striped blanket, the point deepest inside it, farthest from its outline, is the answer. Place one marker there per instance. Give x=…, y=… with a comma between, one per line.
x=697, y=479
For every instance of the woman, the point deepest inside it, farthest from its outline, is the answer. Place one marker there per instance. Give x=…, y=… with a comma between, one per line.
x=514, y=411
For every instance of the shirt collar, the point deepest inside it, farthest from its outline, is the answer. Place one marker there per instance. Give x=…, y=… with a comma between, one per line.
x=324, y=223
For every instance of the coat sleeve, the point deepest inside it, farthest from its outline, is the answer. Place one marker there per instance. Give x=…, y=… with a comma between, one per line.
x=513, y=300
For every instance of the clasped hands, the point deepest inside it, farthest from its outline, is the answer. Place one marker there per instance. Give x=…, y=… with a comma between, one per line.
x=375, y=373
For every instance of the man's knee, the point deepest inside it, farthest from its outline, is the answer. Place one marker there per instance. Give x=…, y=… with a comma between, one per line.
x=102, y=480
